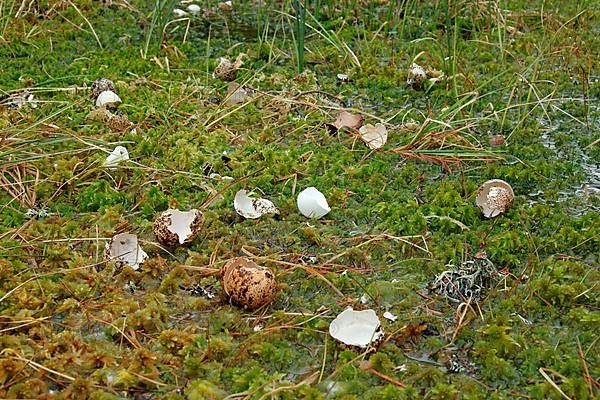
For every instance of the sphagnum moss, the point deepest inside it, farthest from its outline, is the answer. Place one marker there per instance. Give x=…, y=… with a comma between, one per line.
x=72, y=326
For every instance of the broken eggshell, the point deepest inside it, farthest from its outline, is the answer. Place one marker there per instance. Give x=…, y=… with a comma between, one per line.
x=18, y=100
x=179, y=13
x=102, y=85
x=125, y=250
x=227, y=70
x=416, y=75
x=356, y=328
x=251, y=208
x=108, y=99
x=312, y=203
x=494, y=197
x=173, y=227
x=390, y=316
x=225, y=5
x=374, y=136
x=343, y=78
x=247, y=283
x=119, y=154
x=194, y=9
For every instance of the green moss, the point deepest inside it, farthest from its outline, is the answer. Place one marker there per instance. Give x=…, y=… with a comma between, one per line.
x=118, y=331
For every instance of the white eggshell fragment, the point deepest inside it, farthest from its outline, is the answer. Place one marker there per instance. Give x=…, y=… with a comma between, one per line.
x=375, y=136
x=124, y=249
x=356, y=328
x=312, y=203
x=119, y=154
x=108, y=99
x=494, y=197
x=251, y=208
x=178, y=13
x=194, y=9
x=390, y=316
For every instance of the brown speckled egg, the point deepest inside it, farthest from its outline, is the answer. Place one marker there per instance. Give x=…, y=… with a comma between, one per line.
x=174, y=227
x=102, y=85
x=248, y=283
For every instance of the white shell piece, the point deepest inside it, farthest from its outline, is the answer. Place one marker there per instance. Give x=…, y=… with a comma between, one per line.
x=356, y=328
x=107, y=98
x=119, y=154
x=124, y=247
x=389, y=316
x=251, y=208
x=374, y=136
x=193, y=9
x=312, y=203
x=178, y=13
x=181, y=222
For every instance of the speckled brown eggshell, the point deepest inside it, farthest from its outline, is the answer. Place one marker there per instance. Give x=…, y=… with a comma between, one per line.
x=168, y=238
x=101, y=85
x=494, y=197
x=248, y=283
x=225, y=70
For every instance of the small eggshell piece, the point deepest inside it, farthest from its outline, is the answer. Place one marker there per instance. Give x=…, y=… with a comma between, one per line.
x=312, y=203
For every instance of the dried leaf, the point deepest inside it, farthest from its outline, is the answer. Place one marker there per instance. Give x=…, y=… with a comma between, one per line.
x=348, y=120
x=375, y=136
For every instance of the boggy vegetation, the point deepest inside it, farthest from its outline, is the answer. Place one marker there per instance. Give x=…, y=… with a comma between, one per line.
x=513, y=97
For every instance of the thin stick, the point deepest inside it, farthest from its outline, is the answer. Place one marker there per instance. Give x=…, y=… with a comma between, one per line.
x=40, y=366
x=324, y=359
x=587, y=377
x=551, y=382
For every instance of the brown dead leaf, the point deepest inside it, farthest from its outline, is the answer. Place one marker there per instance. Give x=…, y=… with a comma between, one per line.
x=348, y=120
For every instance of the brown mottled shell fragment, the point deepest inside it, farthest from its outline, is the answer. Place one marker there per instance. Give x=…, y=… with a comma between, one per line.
x=101, y=85
x=248, y=283
x=173, y=227
x=227, y=70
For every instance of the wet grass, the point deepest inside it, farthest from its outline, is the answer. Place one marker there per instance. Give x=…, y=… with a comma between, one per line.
x=75, y=326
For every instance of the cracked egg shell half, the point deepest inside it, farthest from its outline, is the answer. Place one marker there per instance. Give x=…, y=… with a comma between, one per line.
x=173, y=227
x=494, y=197
x=356, y=328
x=125, y=250
x=247, y=283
